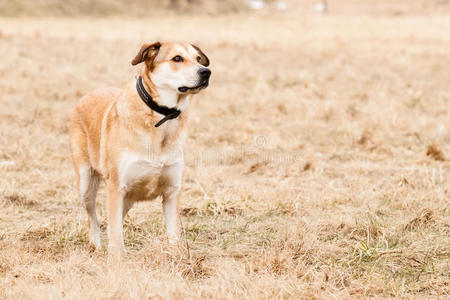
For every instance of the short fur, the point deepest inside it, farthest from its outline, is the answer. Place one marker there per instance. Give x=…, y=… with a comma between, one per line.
x=112, y=136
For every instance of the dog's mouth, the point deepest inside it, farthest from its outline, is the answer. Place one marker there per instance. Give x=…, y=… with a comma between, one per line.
x=201, y=86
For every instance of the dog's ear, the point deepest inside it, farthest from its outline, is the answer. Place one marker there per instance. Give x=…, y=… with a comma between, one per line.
x=204, y=60
x=148, y=51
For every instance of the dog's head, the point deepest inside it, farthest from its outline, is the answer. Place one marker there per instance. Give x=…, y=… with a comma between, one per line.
x=177, y=66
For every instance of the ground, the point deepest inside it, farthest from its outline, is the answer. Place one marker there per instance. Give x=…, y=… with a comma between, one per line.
x=317, y=160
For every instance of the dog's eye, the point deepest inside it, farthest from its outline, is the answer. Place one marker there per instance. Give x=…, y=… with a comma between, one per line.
x=177, y=59
x=199, y=58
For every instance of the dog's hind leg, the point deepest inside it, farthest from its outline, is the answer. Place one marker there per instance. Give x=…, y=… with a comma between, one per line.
x=127, y=205
x=88, y=185
x=88, y=178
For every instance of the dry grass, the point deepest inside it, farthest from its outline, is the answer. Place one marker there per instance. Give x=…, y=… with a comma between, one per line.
x=308, y=168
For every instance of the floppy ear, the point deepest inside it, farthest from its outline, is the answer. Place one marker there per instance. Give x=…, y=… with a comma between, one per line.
x=147, y=51
x=204, y=59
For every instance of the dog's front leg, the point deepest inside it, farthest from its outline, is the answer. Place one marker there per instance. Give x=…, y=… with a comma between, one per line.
x=116, y=248
x=172, y=177
x=170, y=208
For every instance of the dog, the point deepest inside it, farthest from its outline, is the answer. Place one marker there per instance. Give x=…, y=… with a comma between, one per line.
x=133, y=138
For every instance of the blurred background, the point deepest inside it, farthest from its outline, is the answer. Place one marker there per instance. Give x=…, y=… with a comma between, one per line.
x=14, y=8
x=317, y=161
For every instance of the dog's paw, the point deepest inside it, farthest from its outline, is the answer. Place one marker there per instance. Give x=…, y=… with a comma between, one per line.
x=94, y=239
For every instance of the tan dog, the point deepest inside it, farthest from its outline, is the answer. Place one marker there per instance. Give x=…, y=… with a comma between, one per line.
x=133, y=138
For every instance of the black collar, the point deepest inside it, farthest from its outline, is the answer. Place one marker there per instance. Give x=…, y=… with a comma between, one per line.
x=169, y=113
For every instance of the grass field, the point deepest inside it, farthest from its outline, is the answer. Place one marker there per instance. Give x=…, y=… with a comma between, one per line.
x=317, y=161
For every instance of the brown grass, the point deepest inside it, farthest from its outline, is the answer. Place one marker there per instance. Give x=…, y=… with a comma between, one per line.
x=307, y=170
x=434, y=151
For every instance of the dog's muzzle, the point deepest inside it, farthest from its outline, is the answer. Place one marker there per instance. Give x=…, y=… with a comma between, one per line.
x=204, y=74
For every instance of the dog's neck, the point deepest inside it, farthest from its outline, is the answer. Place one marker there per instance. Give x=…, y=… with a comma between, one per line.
x=139, y=112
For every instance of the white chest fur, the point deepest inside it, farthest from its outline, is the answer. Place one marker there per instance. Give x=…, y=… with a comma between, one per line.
x=141, y=168
x=155, y=156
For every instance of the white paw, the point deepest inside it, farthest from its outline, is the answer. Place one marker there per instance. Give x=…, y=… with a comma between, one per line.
x=94, y=238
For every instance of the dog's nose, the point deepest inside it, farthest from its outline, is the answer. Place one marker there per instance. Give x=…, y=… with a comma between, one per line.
x=205, y=73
